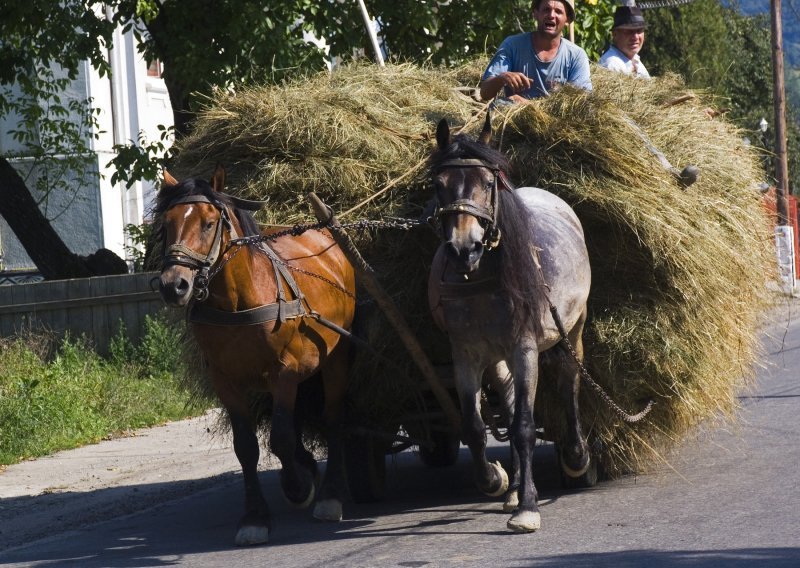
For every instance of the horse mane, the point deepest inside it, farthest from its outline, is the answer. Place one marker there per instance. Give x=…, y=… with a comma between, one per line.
x=520, y=276
x=197, y=186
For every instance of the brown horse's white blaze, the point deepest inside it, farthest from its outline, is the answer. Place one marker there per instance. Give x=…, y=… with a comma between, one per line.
x=251, y=312
x=501, y=250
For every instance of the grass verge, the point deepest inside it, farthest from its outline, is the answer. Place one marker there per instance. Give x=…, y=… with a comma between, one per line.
x=61, y=396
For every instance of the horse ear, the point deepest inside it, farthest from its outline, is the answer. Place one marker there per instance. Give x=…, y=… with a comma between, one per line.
x=443, y=134
x=218, y=179
x=486, y=133
x=169, y=181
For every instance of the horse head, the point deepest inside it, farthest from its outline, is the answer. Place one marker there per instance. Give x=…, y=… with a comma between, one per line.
x=465, y=175
x=195, y=226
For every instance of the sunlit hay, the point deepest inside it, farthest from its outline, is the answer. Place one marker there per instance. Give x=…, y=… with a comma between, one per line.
x=678, y=275
x=341, y=135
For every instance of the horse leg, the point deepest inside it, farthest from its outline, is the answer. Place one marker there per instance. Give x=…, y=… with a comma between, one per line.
x=525, y=370
x=297, y=481
x=490, y=478
x=574, y=452
x=334, y=382
x=255, y=525
x=301, y=454
x=502, y=383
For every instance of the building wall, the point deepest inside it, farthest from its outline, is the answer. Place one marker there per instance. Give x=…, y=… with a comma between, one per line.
x=94, y=215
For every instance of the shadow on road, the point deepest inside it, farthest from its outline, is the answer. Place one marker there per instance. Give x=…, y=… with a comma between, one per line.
x=199, y=517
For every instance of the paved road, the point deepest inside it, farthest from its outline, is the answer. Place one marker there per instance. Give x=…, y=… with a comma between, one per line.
x=728, y=498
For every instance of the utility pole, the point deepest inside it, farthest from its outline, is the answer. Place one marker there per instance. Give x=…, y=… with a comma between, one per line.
x=779, y=103
x=784, y=232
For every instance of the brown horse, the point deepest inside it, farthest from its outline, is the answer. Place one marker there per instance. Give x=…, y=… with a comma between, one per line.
x=505, y=256
x=265, y=313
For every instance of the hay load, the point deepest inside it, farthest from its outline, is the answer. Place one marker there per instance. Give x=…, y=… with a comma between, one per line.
x=678, y=275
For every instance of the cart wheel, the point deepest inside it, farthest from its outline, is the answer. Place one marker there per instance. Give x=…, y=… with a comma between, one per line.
x=444, y=453
x=365, y=464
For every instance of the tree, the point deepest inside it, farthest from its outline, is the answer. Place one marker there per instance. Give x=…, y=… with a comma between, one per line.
x=43, y=43
x=721, y=51
x=206, y=44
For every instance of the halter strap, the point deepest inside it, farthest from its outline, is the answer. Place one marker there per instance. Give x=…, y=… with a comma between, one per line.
x=281, y=310
x=467, y=163
x=468, y=206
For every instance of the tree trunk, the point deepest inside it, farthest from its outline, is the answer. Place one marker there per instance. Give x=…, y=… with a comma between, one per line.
x=178, y=90
x=45, y=247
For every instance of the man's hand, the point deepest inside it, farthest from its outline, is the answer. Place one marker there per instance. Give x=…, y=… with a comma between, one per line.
x=514, y=80
x=518, y=99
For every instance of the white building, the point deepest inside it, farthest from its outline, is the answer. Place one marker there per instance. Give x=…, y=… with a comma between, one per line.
x=94, y=216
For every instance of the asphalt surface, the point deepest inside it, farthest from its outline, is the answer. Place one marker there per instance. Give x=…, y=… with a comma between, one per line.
x=171, y=496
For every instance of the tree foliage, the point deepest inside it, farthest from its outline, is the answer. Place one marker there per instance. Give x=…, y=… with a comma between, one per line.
x=221, y=44
x=593, y=23
x=718, y=49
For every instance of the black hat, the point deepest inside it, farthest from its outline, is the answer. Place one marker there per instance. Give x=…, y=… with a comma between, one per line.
x=629, y=17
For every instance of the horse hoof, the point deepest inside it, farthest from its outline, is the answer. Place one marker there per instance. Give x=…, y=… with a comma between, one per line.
x=251, y=535
x=512, y=501
x=309, y=499
x=525, y=522
x=576, y=472
x=328, y=510
x=503, y=481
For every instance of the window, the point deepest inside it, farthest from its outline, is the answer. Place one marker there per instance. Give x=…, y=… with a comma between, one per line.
x=155, y=69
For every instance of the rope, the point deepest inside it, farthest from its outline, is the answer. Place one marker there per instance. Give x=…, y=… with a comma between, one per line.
x=631, y=418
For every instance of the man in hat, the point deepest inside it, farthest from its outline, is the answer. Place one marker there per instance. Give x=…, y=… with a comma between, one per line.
x=535, y=64
x=627, y=38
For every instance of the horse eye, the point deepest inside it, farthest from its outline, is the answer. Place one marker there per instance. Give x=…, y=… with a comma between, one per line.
x=209, y=225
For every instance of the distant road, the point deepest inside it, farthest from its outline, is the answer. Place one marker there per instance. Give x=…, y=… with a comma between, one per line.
x=728, y=498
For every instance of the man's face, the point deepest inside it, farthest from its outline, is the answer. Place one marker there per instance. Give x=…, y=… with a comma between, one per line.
x=628, y=41
x=551, y=17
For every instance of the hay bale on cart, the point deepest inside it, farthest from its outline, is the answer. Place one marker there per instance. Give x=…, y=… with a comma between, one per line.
x=678, y=275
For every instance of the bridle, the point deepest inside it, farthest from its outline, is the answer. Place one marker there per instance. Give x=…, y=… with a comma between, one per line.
x=178, y=254
x=491, y=235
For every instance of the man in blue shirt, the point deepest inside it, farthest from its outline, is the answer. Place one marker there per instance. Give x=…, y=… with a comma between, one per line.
x=535, y=64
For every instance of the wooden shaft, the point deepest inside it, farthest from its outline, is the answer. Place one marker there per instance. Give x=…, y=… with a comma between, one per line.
x=390, y=309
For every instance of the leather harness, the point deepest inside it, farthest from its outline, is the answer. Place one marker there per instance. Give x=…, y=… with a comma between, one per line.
x=179, y=254
x=491, y=236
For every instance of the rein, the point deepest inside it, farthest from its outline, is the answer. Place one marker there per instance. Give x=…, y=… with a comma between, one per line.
x=491, y=237
x=584, y=372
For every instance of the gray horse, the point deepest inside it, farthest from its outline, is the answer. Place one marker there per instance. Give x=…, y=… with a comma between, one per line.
x=508, y=255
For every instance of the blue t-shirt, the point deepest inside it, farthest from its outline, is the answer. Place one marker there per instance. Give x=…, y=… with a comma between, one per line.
x=570, y=65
